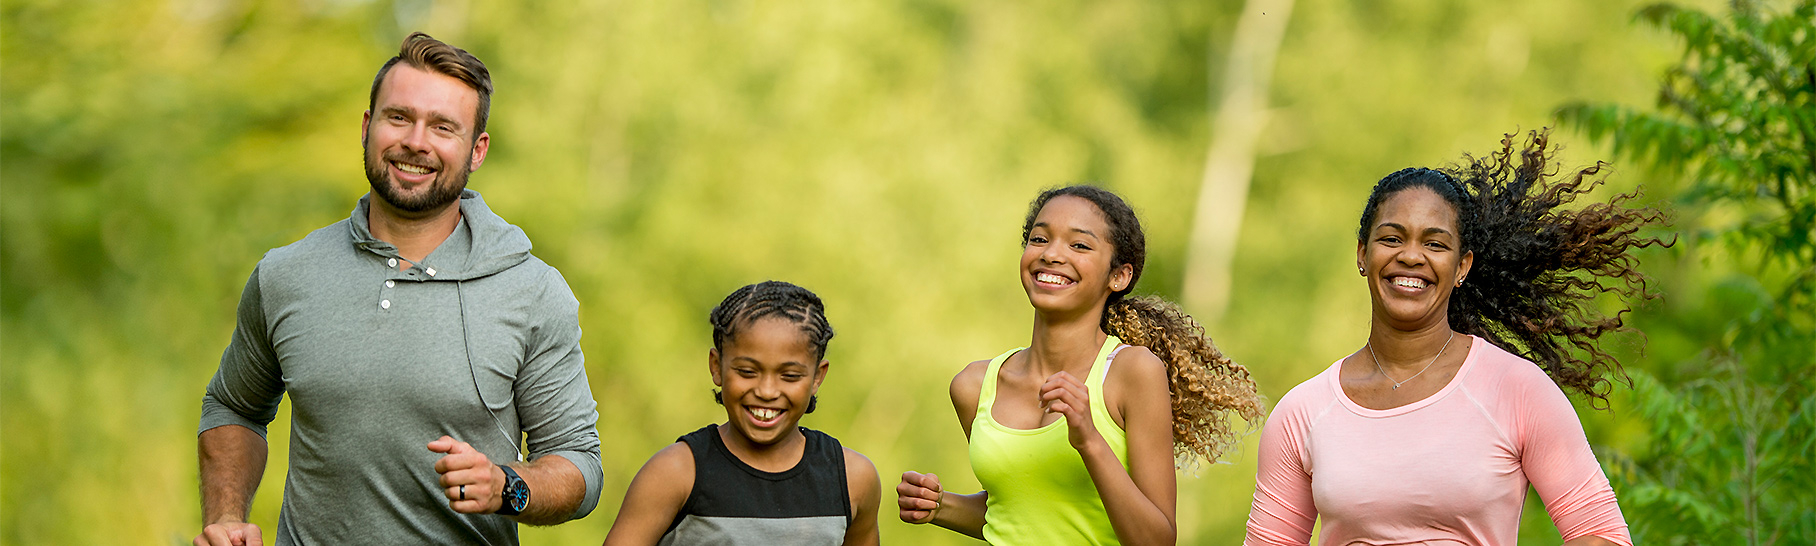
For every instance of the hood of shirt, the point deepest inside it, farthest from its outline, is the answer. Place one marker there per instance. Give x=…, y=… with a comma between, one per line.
x=482, y=243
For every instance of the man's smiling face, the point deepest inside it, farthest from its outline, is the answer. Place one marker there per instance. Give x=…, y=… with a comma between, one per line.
x=418, y=139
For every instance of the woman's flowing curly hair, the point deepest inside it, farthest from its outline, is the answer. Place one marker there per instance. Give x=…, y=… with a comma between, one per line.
x=1539, y=266
x=1207, y=389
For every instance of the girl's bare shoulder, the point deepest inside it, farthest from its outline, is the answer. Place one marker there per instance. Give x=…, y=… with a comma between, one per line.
x=970, y=380
x=1137, y=366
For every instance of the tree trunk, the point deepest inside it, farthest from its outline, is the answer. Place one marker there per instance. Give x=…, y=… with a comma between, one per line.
x=1230, y=163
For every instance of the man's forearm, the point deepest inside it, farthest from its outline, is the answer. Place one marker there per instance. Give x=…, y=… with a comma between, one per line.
x=556, y=489
x=232, y=461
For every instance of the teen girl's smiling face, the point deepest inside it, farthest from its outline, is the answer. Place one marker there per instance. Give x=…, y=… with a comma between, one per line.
x=1413, y=259
x=768, y=374
x=1065, y=263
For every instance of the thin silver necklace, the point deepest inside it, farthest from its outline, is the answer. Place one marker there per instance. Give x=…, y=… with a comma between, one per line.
x=1390, y=379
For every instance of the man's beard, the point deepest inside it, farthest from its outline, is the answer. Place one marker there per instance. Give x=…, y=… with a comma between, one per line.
x=444, y=189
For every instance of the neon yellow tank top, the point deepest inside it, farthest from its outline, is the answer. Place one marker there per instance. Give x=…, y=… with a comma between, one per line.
x=1040, y=491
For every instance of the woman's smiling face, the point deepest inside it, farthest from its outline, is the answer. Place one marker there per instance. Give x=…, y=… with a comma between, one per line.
x=1413, y=258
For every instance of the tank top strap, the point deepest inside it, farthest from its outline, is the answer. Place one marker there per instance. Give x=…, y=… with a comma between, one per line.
x=1101, y=372
x=986, y=396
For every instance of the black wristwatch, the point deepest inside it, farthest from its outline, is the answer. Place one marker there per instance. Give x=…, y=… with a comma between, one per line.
x=516, y=493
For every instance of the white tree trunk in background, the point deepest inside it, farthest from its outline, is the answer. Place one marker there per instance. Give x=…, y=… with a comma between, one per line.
x=1230, y=163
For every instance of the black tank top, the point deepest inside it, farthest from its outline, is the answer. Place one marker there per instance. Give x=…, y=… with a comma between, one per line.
x=734, y=503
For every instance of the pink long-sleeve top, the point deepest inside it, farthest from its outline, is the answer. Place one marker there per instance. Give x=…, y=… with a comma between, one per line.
x=1449, y=469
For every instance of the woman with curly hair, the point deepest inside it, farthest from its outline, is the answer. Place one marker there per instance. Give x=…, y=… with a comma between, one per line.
x=1480, y=281
x=1075, y=436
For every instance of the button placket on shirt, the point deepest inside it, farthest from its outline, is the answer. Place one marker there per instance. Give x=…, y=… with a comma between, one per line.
x=386, y=293
x=387, y=289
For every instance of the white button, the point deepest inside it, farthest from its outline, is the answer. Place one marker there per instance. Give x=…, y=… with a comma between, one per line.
x=390, y=284
x=384, y=304
x=391, y=262
x=431, y=271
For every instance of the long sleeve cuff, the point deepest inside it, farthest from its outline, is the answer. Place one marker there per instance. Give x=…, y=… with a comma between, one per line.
x=592, y=472
x=216, y=414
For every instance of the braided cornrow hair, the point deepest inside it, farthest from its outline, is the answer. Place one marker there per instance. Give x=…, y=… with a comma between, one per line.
x=1538, y=265
x=1207, y=388
x=778, y=299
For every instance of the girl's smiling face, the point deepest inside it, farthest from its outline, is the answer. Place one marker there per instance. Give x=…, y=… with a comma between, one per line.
x=769, y=375
x=1065, y=263
x=1413, y=258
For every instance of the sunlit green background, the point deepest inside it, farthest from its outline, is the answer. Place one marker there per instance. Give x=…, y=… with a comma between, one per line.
x=661, y=154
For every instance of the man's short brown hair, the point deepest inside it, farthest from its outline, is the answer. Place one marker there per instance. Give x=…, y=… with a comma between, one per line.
x=426, y=53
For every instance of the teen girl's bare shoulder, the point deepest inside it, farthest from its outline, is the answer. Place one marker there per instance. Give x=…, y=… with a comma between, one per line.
x=1136, y=366
x=1136, y=374
x=965, y=388
x=968, y=384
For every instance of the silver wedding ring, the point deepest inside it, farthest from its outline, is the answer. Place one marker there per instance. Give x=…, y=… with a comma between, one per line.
x=463, y=492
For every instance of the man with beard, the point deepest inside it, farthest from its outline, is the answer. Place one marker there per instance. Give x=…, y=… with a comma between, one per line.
x=419, y=342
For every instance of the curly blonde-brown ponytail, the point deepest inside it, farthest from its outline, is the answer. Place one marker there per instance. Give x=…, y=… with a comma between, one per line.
x=1207, y=388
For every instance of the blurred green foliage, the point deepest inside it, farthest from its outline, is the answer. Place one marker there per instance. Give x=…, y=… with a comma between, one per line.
x=663, y=153
x=1731, y=412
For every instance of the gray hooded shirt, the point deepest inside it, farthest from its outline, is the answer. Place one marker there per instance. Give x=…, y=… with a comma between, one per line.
x=480, y=341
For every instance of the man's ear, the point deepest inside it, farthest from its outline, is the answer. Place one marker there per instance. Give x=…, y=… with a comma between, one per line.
x=480, y=145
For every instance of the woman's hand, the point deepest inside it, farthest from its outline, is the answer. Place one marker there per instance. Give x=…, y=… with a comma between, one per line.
x=918, y=496
x=1067, y=396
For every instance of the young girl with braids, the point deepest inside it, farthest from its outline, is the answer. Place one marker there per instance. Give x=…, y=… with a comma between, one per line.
x=1480, y=282
x=1075, y=437
x=758, y=479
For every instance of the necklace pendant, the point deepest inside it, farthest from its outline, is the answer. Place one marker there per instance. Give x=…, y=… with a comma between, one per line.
x=1396, y=386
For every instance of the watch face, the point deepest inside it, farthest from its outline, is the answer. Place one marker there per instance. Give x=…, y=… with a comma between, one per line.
x=516, y=495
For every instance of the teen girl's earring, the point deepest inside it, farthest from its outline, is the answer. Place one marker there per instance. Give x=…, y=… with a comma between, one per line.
x=1362, y=272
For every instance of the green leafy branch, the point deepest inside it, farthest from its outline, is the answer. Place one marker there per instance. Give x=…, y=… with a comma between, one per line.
x=1732, y=427
x=1737, y=113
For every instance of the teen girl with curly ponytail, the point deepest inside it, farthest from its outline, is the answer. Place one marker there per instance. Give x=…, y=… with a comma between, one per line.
x=1075, y=438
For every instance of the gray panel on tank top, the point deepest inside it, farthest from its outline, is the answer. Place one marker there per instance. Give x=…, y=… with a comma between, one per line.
x=756, y=531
